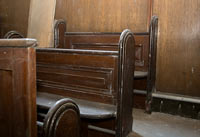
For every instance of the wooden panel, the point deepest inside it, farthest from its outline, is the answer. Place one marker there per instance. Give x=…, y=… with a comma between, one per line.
x=103, y=15
x=18, y=92
x=109, y=41
x=14, y=16
x=141, y=52
x=97, y=80
x=86, y=76
x=41, y=21
x=5, y=98
x=178, y=46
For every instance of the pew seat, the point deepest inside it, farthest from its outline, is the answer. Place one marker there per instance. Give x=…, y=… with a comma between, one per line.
x=88, y=109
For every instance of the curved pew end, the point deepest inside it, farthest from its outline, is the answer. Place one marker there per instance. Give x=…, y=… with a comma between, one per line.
x=13, y=34
x=61, y=119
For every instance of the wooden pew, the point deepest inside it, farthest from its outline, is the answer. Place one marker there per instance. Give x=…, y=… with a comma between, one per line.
x=17, y=88
x=99, y=81
x=145, y=53
x=18, y=97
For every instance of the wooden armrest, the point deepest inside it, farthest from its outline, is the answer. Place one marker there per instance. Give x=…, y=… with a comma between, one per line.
x=88, y=109
x=18, y=43
x=140, y=74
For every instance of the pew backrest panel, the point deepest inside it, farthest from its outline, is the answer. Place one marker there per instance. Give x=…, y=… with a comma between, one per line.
x=90, y=75
x=102, y=41
x=107, y=41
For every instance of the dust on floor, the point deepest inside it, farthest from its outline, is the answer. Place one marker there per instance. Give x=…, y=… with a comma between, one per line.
x=163, y=125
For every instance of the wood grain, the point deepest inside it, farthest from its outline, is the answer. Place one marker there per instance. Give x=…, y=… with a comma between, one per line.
x=178, y=46
x=41, y=21
x=103, y=15
x=18, y=92
x=14, y=16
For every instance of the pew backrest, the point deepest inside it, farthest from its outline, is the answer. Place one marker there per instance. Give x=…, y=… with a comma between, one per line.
x=84, y=74
x=102, y=41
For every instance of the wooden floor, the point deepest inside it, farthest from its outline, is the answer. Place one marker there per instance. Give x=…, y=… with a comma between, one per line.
x=163, y=125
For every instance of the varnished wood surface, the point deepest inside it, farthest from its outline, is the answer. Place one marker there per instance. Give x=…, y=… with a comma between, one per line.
x=88, y=109
x=17, y=91
x=126, y=83
x=83, y=74
x=178, y=46
x=103, y=15
x=92, y=75
x=144, y=59
x=60, y=119
x=41, y=21
x=109, y=41
x=20, y=43
x=14, y=16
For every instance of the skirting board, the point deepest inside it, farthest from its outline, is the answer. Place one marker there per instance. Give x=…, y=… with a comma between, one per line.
x=176, y=105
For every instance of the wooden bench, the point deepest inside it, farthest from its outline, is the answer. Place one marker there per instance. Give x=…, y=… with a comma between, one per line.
x=18, y=97
x=99, y=81
x=145, y=52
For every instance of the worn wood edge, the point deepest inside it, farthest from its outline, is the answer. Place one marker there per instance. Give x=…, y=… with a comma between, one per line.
x=55, y=112
x=125, y=35
x=57, y=37
x=103, y=33
x=31, y=88
x=151, y=77
x=77, y=51
x=80, y=103
x=177, y=97
x=18, y=43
